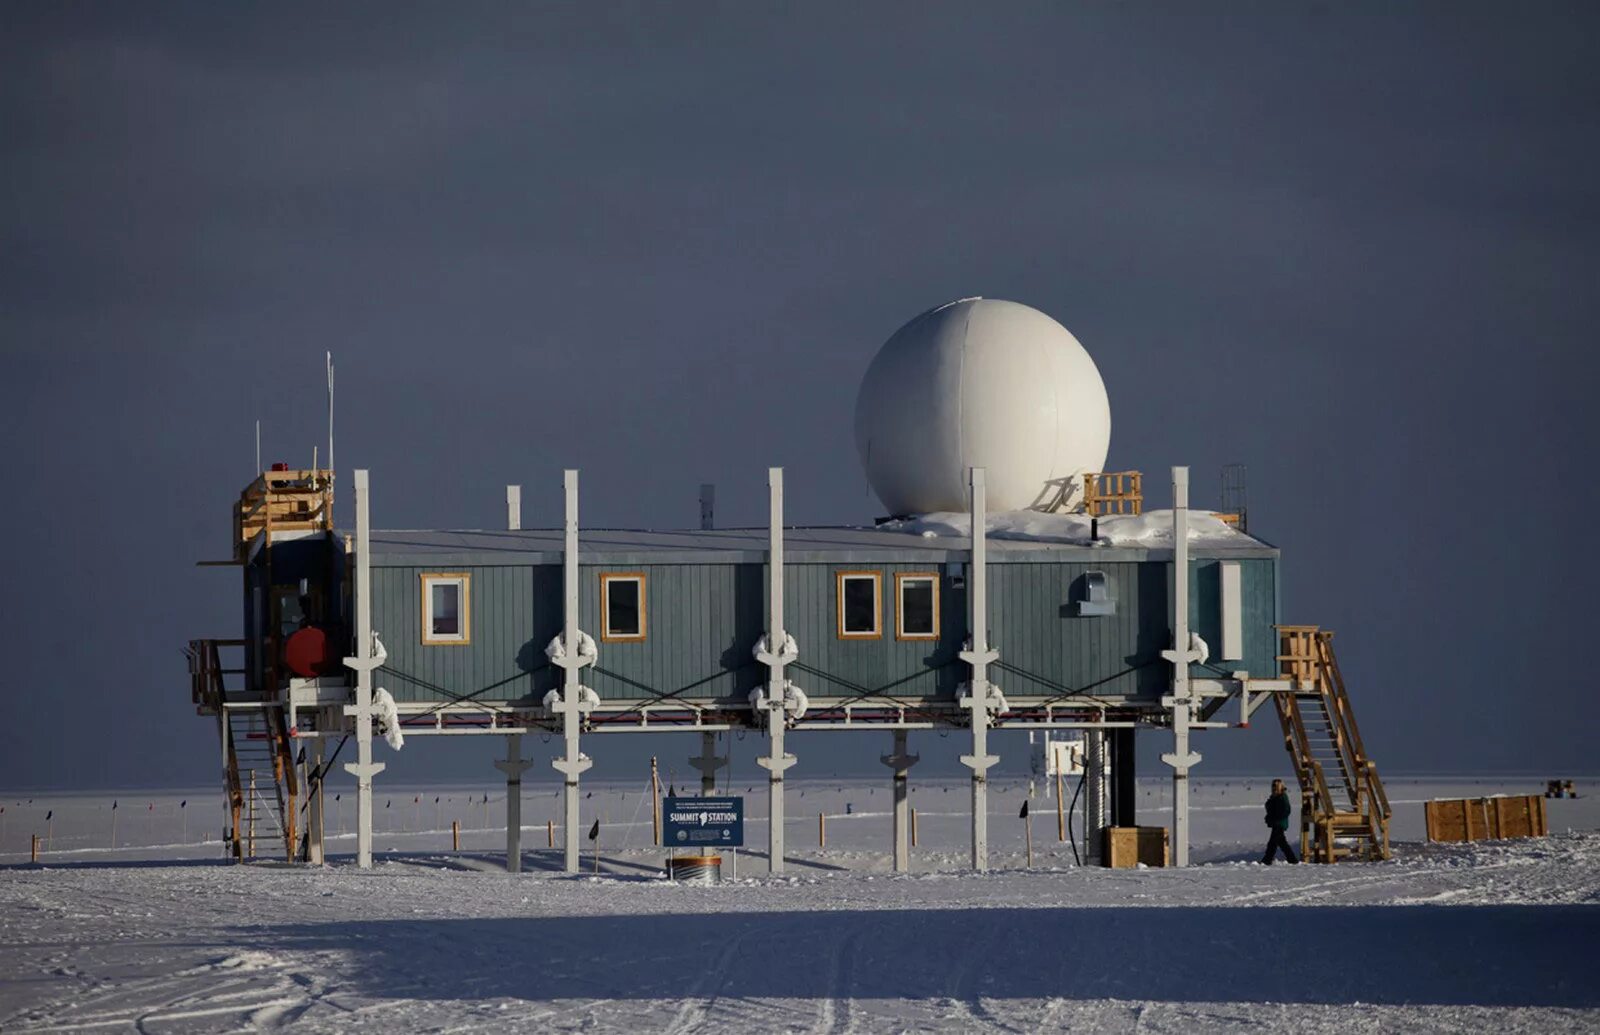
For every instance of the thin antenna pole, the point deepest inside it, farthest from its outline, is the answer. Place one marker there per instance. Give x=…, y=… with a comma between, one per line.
x=330, y=410
x=258, y=446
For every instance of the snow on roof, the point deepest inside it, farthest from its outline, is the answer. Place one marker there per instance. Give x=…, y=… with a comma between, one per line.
x=1151, y=530
x=1019, y=535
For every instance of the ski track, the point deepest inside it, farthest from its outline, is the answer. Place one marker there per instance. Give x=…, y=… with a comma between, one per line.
x=694, y=1011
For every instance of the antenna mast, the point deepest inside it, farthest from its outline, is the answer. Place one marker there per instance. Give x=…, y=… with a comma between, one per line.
x=330, y=411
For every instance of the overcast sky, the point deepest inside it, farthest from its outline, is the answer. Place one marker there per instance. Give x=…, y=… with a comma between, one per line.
x=1353, y=249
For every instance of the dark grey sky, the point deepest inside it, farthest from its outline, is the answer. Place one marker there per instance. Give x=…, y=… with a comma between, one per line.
x=1354, y=249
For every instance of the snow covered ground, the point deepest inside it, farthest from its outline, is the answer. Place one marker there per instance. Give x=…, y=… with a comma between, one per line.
x=158, y=935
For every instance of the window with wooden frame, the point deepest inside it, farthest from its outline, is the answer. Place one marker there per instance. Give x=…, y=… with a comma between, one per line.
x=860, y=605
x=446, y=609
x=916, y=595
x=622, y=607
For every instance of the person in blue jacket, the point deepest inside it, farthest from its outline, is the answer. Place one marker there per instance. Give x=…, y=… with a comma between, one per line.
x=1278, y=812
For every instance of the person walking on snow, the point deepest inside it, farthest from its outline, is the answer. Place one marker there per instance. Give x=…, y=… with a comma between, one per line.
x=1278, y=811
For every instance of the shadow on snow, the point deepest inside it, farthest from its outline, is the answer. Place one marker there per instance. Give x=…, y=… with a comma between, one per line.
x=1387, y=955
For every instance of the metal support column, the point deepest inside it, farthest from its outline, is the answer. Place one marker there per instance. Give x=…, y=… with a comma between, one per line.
x=314, y=851
x=901, y=762
x=1096, y=813
x=777, y=759
x=708, y=762
x=978, y=655
x=1180, y=758
x=513, y=765
x=1124, y=788
x=571, y=661
x=363, y=768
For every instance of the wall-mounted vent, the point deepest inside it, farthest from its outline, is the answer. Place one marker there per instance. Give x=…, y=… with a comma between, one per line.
x=1094, y=595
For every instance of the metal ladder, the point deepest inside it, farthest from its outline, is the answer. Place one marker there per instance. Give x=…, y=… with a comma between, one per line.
x=256, y=755
x=254, y=738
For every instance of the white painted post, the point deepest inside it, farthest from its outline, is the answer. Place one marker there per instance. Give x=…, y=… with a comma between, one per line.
x=901, y=762
x=777, y=759
x=314, y=853
x=513, y=508
x=570, y=706
x=363, y=768
x=708, y=762
x=1180, y=758
x=979, y=657
x=513, y=765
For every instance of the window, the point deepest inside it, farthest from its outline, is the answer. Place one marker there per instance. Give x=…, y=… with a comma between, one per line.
x=622, y=616
x=860, y=606
x=917, y=617
x=446, y=609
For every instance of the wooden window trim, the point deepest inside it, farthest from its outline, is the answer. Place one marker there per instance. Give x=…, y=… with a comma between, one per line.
x=900, y=579
x=465, y=580
x=877, y=604
x=608, y=577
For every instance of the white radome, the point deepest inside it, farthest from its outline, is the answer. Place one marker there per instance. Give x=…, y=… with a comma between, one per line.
x=980, y=383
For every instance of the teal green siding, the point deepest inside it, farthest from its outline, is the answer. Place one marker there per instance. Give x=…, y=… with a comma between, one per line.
x=515, y=610
x=899, y=669
x=1258, y=603
x=701, y=621
x=1054, y=651
x=704, y=618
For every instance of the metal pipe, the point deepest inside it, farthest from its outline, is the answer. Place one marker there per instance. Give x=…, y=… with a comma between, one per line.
x=777, y=759
x=361, y=713
x=1181, y=759
x=979, y=656
x=513, y=508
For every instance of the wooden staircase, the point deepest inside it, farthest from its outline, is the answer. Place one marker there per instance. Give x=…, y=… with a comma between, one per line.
x=1344, y=812
x=256, y=749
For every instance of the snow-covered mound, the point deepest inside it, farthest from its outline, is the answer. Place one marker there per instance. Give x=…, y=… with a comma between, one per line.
x=1153, y=528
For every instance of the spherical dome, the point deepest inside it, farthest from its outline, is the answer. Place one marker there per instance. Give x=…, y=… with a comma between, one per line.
x=980, y=383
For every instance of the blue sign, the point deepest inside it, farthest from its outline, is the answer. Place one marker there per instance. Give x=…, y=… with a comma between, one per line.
x=702, y=823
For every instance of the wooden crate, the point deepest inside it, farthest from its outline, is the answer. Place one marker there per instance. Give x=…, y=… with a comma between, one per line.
x=1126, y=847
x=1486, y=819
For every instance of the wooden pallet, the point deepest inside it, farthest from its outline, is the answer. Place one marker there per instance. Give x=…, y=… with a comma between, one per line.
x=1127, y=847
x=1113, y=492
x=1486, y=819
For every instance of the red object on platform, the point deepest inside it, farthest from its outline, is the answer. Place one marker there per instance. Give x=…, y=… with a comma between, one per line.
x=309, y=652
x=280, y=467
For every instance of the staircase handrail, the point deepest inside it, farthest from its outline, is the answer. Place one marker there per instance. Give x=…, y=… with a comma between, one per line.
x=1375, y=788
x=1347, y=740
x=1362, y=768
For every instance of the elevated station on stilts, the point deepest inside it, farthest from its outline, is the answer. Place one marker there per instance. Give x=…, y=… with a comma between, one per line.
x=1017, y=588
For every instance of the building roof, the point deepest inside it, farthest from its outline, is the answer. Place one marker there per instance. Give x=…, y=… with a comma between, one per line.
x=925, y=540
